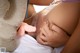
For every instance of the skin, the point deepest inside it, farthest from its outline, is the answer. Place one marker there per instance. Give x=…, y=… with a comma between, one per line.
x=40, y=2
x=73, y=45
x=70, y=46
x=31, y=10
x=46, y=32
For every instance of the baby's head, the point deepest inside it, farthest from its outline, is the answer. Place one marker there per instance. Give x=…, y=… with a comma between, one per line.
x=49, y=33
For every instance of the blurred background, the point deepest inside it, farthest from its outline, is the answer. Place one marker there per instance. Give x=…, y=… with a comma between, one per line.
x=39, y=8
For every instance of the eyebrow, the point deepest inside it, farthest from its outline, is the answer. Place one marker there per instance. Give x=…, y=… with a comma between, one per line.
x=62, y=29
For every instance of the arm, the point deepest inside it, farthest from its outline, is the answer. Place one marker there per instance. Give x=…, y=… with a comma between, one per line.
x=73, y=45
x=24, y=25
x=41, y=2
x=31, y=11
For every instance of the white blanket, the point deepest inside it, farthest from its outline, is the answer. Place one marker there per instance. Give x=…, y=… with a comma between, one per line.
x=30, y=45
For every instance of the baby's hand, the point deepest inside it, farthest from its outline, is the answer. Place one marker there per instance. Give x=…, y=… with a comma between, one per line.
x=24, y=27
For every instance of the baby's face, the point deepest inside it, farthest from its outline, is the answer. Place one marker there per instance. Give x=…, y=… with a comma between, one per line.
x=49, y=34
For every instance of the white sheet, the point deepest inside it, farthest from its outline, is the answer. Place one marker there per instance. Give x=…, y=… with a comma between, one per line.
x=58, y=50
x=30, y=45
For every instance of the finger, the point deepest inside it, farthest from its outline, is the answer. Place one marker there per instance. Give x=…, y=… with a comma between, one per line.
x=32, y=34
x=21, y=31
x=29, y=28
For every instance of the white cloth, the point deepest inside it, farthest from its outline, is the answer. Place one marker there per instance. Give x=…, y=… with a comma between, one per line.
x=50, y=7
x=30, y=45
x=58, y=50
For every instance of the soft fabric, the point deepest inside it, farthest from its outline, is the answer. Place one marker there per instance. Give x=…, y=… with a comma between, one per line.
x=51, y=6
x=58, y=50
x=12, y=13
x=29, y=45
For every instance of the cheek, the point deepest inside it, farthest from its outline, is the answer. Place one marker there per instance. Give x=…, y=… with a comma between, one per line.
x=39, y=40
x=57, y=40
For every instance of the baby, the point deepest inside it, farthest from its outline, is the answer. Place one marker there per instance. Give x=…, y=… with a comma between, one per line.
x=52, y=30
